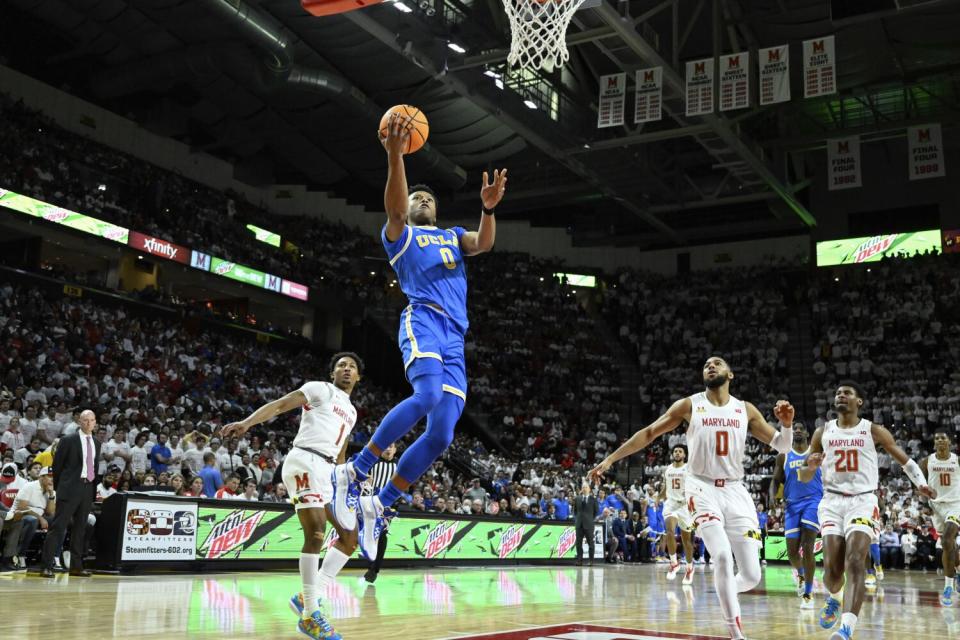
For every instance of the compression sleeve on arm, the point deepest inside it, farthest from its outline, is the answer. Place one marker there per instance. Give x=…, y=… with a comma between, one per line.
x=912, y=469
x=783, y=439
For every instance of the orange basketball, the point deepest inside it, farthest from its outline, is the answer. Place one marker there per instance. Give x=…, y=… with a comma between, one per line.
x=421, y=128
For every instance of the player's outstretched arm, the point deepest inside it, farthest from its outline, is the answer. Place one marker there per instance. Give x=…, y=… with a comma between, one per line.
x=815, y=459
x=781, y=440
x=778, y=476
x=884, y=438
x=482, y=240
x=675, y=415
x=270, y=410
x=395, y=196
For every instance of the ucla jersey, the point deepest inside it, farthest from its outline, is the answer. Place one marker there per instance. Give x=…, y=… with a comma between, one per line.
x=793, y=489
x=429, y=267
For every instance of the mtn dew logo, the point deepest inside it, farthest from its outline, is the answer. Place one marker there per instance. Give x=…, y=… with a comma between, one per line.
x=567, y=539
x=439, y=539
x=872, y=246
x=55, y=214
x=224, y=268
x=510, y=540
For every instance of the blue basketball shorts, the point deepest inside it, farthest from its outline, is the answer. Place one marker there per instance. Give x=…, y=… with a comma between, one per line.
x=429, y=334
x=801, y=514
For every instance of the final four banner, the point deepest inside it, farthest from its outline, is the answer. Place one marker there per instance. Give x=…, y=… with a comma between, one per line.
x=613, y=93
x=700, y=87
x=843, y=163
x=774, y=74
x=819, y=67
x=925, y=148
x=735, y=81
x=649, y=95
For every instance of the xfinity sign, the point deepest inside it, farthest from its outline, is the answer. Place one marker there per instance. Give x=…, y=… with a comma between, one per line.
x=158, y=247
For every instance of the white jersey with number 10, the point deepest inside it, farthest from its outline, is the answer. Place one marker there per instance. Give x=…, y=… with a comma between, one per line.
x=717, y=438
x=942, y=476
x=849, y=459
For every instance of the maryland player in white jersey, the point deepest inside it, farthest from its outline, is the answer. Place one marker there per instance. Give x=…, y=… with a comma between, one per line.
x=675, y=513
x=849, y=514
x=720, y=505
x=327, y=417
x=943, y=471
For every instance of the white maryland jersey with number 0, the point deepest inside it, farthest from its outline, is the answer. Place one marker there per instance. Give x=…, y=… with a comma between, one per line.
x=849, y=458
x=326, y=420
x=717, y=438
x=674, y=476
x=942, y=475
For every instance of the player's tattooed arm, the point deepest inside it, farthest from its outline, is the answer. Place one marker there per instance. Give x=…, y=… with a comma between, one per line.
x=268, y=411
x=815, y=459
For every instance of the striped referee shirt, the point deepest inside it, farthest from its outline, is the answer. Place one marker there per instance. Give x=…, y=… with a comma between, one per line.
x=381, y=474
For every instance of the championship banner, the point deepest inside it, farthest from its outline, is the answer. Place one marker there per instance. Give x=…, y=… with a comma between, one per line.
x=951, y=240
x=700, y=87
x=819, y=67
x=164, y=530
x=925, y=148
x=875, y=248
x=613, y=94
x=735, y=81
x=649, y=95
x=843, y=163
x=775, y=75
x=248, y=534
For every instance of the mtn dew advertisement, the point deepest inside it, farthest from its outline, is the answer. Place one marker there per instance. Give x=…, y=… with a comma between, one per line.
x=59, y=215
x=775, y=548
x=250, y=534
x=238, y=272
x=875, y=248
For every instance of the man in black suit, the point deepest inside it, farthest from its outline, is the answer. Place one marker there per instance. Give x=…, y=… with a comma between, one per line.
x=584, y=514
x=74, y=481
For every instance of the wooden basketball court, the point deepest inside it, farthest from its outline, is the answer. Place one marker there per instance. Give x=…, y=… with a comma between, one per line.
x=595, y=603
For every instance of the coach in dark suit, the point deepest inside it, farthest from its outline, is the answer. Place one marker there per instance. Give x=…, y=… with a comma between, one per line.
x=584, y=514
x=74, y=481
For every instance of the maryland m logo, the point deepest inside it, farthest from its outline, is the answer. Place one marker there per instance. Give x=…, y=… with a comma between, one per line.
x=923, y=135
x=699, y=67
x=818, y=46
x=303, y=481
x=843, y=147
x=648, y=76
x=773, y=55
x=612, y=82
x=733, y=62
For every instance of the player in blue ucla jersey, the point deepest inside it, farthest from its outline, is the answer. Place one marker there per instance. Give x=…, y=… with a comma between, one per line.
x=429, y=265
x=800, y=521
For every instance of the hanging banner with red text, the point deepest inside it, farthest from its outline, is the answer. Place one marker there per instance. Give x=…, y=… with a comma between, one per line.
x=735, y=81
x=775, y=75
x=819, y=67
x=925, y=148
x=613, y=93
x=700, y=87
x=649, y=95
x=843, y=163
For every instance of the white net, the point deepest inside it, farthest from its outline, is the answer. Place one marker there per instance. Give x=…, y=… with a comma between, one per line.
x=539, y=29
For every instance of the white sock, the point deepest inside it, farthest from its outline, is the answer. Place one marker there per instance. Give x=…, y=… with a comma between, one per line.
x=718, y=544
x=309, y=567
x=673, y=559
x=850, y=620
x=332, y=564
x=837, y=596
x=947, y=582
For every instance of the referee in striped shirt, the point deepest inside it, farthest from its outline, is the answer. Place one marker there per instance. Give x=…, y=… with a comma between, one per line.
x=380, y=476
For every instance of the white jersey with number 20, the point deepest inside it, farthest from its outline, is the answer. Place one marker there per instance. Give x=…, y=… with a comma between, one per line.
x=326, y=420
x=849, y=458
x=717, y=438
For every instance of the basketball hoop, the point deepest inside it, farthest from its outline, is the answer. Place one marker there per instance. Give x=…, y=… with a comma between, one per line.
x=539, y=30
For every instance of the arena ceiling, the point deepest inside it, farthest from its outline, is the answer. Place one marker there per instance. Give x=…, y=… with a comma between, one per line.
x=291, y=98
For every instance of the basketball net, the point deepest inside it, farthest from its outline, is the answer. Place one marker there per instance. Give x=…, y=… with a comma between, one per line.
x=539, y=29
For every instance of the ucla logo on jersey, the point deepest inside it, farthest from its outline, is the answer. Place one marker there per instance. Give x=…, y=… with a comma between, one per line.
x=799, y=463
x=424, y=240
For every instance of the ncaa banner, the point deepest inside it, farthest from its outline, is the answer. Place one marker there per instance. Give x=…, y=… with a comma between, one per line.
x=700, y=87
x=159, y=530
x=819, y=67
x=925, y=147
x=775, y=74
x=649, y=95
x=843, y=163
x=613, y=94
x=735, y=81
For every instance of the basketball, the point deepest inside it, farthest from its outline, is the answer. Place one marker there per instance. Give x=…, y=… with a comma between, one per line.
x=421, y=128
